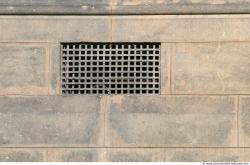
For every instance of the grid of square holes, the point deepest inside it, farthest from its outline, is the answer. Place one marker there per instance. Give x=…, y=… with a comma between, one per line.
x=110, y=68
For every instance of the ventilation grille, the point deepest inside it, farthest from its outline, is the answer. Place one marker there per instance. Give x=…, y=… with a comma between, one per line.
x=110, y=68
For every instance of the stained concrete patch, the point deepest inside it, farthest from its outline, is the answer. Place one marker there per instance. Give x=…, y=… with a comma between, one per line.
x=51, y=120
x=202, y=154
x=180, y=28
x=101, y=7
x=80, y=156
x=211, y=68
x=130, y=157
x=21, y=155
x=55, y=29
x=24, y=69
x=172, y=121
x=135, y=155
x=244, y=116
x=74, y=154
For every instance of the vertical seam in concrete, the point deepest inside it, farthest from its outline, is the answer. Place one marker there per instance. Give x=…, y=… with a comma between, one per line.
x=111, y=26
x=107, y=131
x=171, y=52
x=47, y=155
x=50, y=69
x=60, y=71
x=162, y=45
x=104, y=105
x=165, y=69
x=104, y=113
x=169, y=63
x=238, y=107
x=165, y=153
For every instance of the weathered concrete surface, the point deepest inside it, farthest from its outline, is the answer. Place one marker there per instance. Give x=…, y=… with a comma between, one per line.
x=24, y=69
x=106, y=154
x=55, y=71
x=244, y=122
x=125, y=154
x=179, y=6
x=51, y=121
x=74, y=154
x=195, y=28
x=55, y=7
x=166, y=52
x=55, y=29
x=22, y=155
x=178, y=154
x=211, y=68
x=183, y=121
x=149, y=154
x=135, y=155
x=207, y=155
x=124, y=6
x=215, y=61
x=210, y=28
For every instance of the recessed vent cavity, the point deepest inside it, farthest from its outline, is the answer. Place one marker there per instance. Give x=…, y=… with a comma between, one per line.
x=110, y=68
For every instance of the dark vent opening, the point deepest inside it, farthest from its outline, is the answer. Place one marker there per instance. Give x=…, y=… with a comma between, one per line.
x=110, y=68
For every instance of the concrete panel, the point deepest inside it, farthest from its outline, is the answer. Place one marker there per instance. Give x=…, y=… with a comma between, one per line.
x=55, y=83
x=196, y=28
x=55, y=28
x=244, y=122
x=165, y=68
x=211, y=68
x=135, y=155
x=51, y=121
x=73, y=154
x=124, y=6
x=207, y=155
x=24, y=69
x=55, y=7
x=180, y=6
x=176, y=28
x=149, y=154
x=22, y=155
x=182, y=121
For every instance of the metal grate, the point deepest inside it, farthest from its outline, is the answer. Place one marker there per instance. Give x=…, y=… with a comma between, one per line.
x=110, y=68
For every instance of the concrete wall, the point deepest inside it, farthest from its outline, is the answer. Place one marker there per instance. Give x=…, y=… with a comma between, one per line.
x=124, y=7
x=202, y=113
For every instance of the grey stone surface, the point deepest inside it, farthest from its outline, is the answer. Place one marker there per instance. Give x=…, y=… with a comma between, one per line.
x=55, y=72
x=211, y=68
x=24, y=69
x=165, y=67
x=31, y=66
x=126, y=28
x=244, y=122
x=177, y=155
x=50, y=121
x=205, y=155
x=80, y=156
x=55, y=28
x=73, y=155
x=176, y=28
x=125, y=154
x=135, y=155
x=183, y=121
x=22, y=155
x=55, y=7
x=149, y=154
x=123, y=6
x=130, y=157
x=55, y=2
